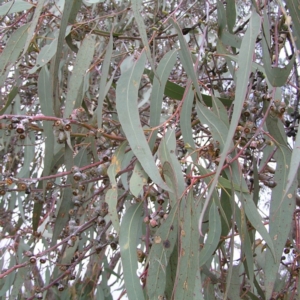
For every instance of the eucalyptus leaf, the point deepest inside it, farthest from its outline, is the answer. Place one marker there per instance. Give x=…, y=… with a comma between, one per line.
x=128, y=246
x=14, y=7
x=127, y=92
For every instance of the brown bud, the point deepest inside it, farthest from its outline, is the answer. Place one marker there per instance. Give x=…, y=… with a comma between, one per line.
x=9, y=181
x=22, y=186
x=49, y=185
x=42, y=260
x=67, y=127
x=57, y=123
x=20, y=129
x=77, y=176
x=32, y=259
x=73, y=238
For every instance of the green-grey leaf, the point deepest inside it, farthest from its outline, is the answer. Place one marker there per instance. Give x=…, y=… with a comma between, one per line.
x=186, y=59
x=164, y=68
x=189, y=253
x=34, y=22
x=14, y=7
x=68, y=6
x=281, y=215
x=222, y=22
x=82, y=63
x=294, y=164
x=137, y=180
x=127, y=96
x=234, y=287
x=104, y=75
x=167, y=150
x=243, y=73
x=136, y=6
x=161, y=250
x=185, y=123
x=230, y=39
x=249, y=206
x=44, y=56
x=224, y=183
x=111, y=197
x=230, y=14
x=128, y=245
x=219, y=109
x=12, y=51
x=213, y=236
x=276, y=75
x=218, y=128
x=116, y=163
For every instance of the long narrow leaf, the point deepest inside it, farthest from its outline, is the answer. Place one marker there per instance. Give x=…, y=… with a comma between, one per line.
x=245, y=64
x=127, y=96
x=128, y=245
x=12, y=51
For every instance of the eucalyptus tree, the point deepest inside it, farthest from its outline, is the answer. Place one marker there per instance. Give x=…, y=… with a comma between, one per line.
x=150, y=149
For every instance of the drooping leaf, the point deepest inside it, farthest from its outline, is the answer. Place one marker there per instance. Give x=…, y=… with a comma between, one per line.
x=136, y=6
x=186, y=58
x=128, y=245
x=12, y=51
x=234, y=288
x=111, y=197
x=276, y=75
x=185, y=123
x=189, y=253
x=294, y=163
x=217, y=126
x=282, y=208
x=68, y=5
x=45, y=55
x=34, y=22
x=103, y=80
x=82, y=63
x=170, y=177
x=213, y=236
x=222, y=21
x=116, y=163
x=167, y=150
x=137, y=180
x=127, y=94
x=245, y=65
x=164, y=68
x=249, y=206
x=164, y=241
x=230, y=14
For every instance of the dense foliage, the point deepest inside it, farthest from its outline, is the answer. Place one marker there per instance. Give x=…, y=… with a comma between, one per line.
x=150, y=149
